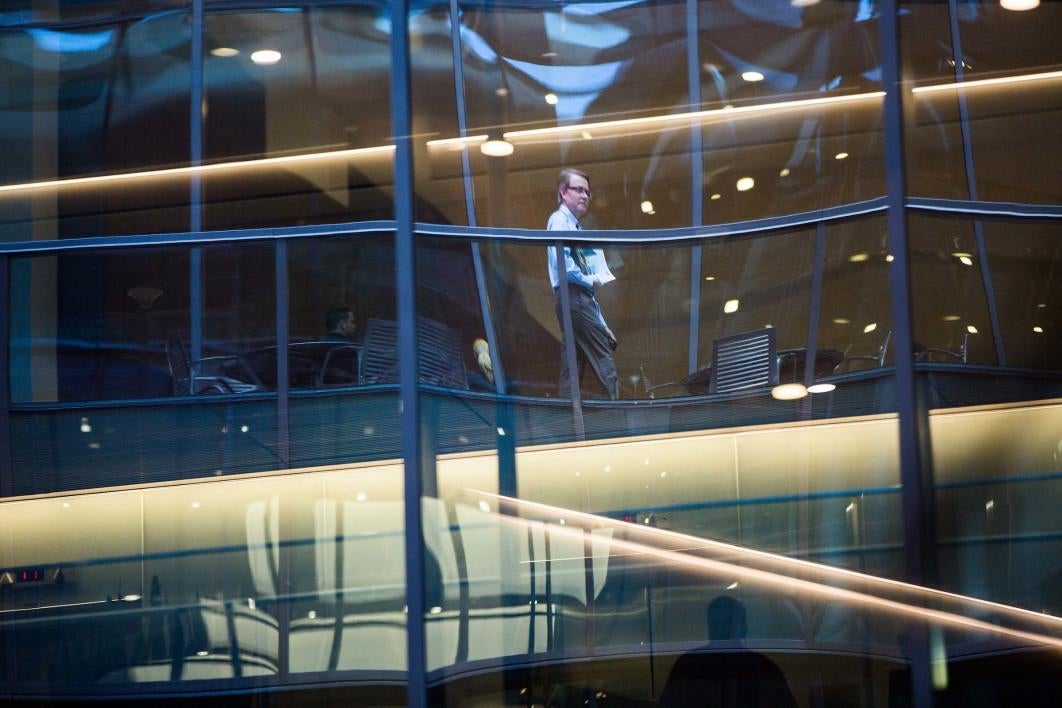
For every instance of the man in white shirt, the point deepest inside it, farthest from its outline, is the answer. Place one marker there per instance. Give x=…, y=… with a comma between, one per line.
x=584, y=270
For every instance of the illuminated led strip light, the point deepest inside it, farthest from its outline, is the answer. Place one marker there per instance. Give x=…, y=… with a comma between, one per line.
x=989, y=82
x=458, y=142
x=779, y=562
x=696, y=115
x=786, y=583
x=197, y=169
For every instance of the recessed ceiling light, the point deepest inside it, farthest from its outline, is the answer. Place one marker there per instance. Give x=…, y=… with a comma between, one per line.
x=715, y=196
x=647, y=207
x=501, y=91
x=224, y=52
x=966, y=260
x=745, y=184
x=870, y=328
x=840, y=156
x=265, y=57
x=821, y=388
x=1019, y=5
x=551, y=99
x=951, y=318
x=784, y=172
x=752, y=76
x=497, y=148
x=1038, y=329
x=858, y=257
x=709, y=277
x=731, y=306
x=842, y=320
x=971, y=329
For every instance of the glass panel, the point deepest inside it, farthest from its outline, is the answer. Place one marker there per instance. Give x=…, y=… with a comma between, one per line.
x=341, y=292
x=98, y=328
x=265, y=71
x=106, y=446
x=91, y=90
x=94, y=325
x=957, y=311
x=992, y=141
x=241, y=583
x=1026, y=261
x=607, y=87
x=856, y=316
x=532, y=528
x=952, y=321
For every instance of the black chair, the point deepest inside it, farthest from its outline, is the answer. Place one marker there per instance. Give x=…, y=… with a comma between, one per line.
x=440, y=361
x=341, y=366
x=205, y=376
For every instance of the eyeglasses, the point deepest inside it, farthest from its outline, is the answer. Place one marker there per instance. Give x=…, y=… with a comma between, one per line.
x=581, y=190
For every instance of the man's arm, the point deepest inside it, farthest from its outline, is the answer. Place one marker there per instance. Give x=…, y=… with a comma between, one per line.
x=573, y=274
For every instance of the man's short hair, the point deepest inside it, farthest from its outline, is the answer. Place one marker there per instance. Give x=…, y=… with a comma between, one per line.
x=336, y=315
x=565, y=177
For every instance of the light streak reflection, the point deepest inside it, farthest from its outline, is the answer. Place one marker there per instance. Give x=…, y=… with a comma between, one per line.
x=782, y=572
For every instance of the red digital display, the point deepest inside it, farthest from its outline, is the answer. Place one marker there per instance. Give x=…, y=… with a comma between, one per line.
x=30, y=575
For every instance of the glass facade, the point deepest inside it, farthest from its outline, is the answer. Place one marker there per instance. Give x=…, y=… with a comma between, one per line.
x=530, y=353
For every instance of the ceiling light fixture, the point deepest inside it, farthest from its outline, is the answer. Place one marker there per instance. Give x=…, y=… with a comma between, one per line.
x=821, y=388
x=840, y=156
x=789, y=392
x=731, y=306
x=266, y=57
x=497, y=148
x=1019, y=5
x=745, y=184
x=752, y=76
x=224, y=52
x=551, y=99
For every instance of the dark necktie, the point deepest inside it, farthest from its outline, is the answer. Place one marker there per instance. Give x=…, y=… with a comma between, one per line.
x=580, y=260
x=579, y=256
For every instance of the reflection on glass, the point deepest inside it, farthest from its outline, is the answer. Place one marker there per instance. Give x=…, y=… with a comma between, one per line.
x=608, y=88
x=264, y=73
x=951, y=313
x=341, y=350
x=855, y=316
x=1025, y=261
x=95, y=325
x=83, y=88
x=989, y=141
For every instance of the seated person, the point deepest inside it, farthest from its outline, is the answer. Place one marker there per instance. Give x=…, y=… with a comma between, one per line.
x=341, y=326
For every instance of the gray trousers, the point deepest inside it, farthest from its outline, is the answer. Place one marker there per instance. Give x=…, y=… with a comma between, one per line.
x=593, y=343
